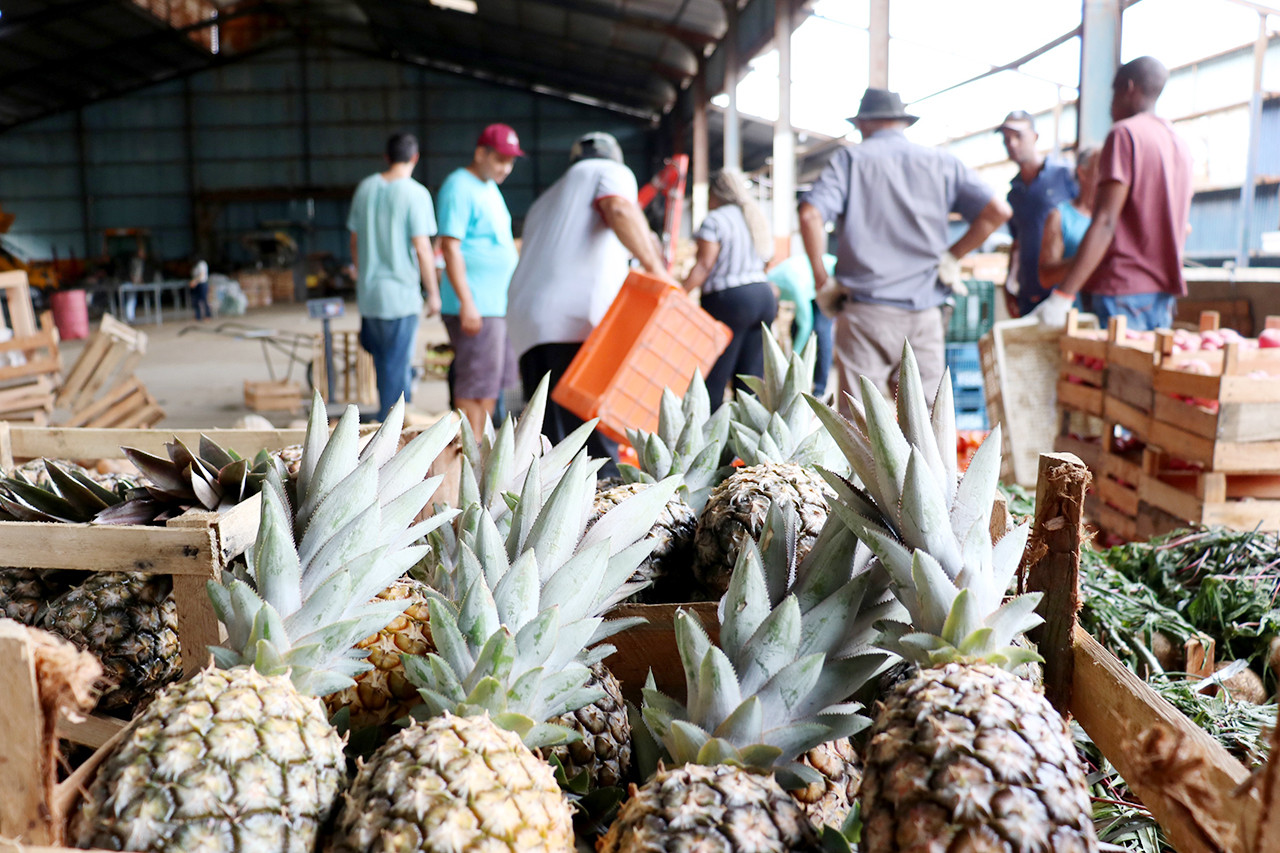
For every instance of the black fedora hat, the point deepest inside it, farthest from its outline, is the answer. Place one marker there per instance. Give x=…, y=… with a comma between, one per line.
x=883, y=104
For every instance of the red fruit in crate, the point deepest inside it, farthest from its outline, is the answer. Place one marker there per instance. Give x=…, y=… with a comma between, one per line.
x=1269, y=339
x=1212, y=340
x=1195, y=366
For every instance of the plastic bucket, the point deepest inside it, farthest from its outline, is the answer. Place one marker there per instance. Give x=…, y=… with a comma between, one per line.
x=70, y=314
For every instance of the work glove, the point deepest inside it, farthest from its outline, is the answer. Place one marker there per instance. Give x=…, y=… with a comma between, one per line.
x=949, y=274
x=831, y=298
x=1053, y=310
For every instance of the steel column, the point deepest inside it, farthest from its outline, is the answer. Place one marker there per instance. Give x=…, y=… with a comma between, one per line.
x=784, y=140
x=1099, y=59
x=732, y=129
x=878, y=72
x=700, y=155
x=1248, y=188
x=82, y=175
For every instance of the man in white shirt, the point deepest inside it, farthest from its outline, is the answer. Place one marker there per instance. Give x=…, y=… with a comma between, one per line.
x=199, y=285
x=578, y=237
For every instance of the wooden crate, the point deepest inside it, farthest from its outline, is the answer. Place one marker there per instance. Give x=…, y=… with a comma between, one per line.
x=1243, y=501
x=651, y=647
x=101, y=390
x=1239, y=401
x=273, y=396
x=1131, y=366
x=21, y=443
x=281, y=286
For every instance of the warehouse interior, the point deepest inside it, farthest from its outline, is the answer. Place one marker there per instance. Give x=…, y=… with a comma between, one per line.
x=794, y=490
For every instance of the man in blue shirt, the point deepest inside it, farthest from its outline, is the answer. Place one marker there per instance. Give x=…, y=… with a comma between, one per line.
x=479, y=258
x=391, y=223
x=1037, y=189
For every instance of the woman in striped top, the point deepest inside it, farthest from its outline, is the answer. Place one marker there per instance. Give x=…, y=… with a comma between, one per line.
x=733, y=245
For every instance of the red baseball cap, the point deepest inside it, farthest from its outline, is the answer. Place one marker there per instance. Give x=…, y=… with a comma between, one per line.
x=501, y=138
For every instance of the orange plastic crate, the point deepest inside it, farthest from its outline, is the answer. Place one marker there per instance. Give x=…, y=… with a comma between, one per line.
x=652, y=337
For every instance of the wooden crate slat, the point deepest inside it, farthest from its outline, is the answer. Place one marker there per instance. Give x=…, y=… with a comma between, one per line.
x=22, y=740
x=84, y=416
x=106, y=548
x=80, y=443
x=1081, y=398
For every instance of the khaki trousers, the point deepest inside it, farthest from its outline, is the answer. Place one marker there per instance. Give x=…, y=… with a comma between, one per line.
x=868, y=342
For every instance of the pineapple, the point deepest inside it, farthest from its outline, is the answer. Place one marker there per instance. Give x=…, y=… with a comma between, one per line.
x=25, y=593
x=129, y=621
x=964, y=754
x=603, y=751
x=666, y=570
x=779, y=439
x=736, y=512
x=241, y=757
x=510, y=657
x=777, y=689
x=385, y=694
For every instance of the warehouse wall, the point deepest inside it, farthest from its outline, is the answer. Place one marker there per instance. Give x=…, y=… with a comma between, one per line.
x=232, y=143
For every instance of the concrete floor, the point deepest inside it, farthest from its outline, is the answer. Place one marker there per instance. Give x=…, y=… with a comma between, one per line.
x=198, y=376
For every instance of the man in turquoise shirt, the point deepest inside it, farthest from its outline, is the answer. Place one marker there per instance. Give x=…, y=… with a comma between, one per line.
x=391, y=223
x=479, y=257
x=794, y=280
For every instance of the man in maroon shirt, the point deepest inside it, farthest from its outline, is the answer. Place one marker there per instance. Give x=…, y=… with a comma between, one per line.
x=1130, y=260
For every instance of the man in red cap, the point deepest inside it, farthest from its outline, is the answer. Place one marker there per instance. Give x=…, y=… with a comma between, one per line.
x=479, y=257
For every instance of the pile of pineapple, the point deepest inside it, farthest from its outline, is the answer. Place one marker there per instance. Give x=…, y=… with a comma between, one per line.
x=466, y=648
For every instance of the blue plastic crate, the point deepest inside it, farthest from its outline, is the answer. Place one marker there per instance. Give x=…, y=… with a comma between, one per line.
x=972, y=316
x=965, y=365
x=971, y=420
x=969, y=399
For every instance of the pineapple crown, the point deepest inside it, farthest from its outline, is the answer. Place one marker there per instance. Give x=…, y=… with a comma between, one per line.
x=305, y=599
x=789, y=656
x=772, y=422
x=930, y=531
x=530, y=604
x=493, y=469
x=71, y=497
x=690, y=443
x=212, y=479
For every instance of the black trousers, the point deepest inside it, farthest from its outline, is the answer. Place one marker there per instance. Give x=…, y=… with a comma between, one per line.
x=554, y=359
x=743, y=309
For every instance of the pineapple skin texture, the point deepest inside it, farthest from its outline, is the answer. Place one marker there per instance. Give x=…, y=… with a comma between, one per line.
x=738, y=507
x=384, y=694
x=231, y=760
x=668, y=566
x=129, y=621
x=456, y=784
x=720, y=809
x=827, y=803
x=605, y=749
x=973, y=758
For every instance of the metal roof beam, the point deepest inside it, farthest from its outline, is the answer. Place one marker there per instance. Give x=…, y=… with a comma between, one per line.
x=53, y=14
x=695, y=38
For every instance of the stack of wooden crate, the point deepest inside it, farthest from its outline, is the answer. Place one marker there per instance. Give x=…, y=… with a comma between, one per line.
x=1173, y=437
x=256, y=285
x=101, y=390
x=281, y=285
x=30, y=363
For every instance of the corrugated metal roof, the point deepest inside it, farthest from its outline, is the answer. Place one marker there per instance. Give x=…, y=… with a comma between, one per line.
x=632, y=54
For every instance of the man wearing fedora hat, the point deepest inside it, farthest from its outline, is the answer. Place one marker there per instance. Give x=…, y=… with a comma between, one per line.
x=895, y=264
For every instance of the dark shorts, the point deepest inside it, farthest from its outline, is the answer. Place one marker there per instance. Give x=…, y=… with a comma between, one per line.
x=483, y=364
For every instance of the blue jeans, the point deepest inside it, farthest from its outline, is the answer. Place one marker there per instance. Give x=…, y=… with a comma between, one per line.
x=390, y=342
x=1146, y=311
x=823, y=330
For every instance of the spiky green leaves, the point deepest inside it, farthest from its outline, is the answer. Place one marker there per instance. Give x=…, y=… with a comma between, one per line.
x=690, y=443
x=772, y=422
x=305, y=602
x=930, y=533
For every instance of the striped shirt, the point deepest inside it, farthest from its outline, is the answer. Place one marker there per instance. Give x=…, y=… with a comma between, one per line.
x=737, y=263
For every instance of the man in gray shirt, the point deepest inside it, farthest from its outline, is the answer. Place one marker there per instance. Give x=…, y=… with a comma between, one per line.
x=895, y=263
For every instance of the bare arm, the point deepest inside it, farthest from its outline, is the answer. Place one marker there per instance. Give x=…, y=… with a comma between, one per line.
x=813, y=231
x=996, y=213
x=1053, y=267
x=355, y=251
x=626, y=220
x=1097, y=240
x=427, y=269
x=456, y=267
x=706, y=260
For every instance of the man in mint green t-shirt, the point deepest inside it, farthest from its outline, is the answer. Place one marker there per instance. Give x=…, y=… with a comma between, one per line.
x=391, y=222
x=479, y=257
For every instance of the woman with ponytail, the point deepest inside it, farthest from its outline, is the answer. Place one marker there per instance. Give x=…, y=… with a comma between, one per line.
x=733, y=245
